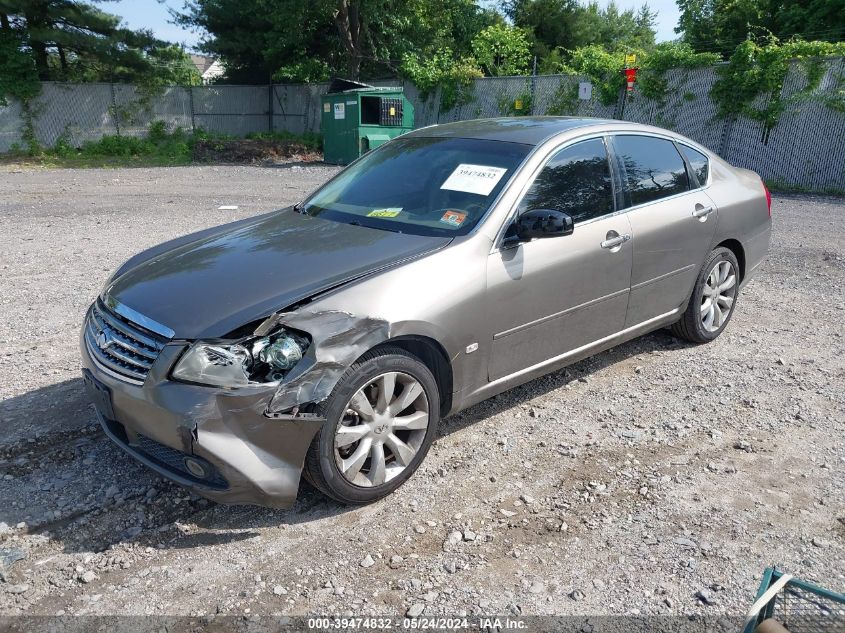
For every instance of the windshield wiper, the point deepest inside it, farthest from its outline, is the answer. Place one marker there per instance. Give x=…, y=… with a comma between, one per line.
x=378, y=228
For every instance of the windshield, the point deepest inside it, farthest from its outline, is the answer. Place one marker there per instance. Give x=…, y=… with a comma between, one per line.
x=423, y=186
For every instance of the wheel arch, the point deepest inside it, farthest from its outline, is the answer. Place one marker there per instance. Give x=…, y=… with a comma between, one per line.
x=735, y=246
x=432, y=354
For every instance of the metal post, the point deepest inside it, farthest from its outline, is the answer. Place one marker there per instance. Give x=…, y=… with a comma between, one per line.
x=623, y=99
x=270, y=109
x=727, y=129
x=115, y=113
x=193, y=117
x=533, y=83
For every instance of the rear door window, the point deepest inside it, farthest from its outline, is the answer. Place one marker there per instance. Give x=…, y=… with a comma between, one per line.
x=653, y=168
x=576, y=180
x=699, y=163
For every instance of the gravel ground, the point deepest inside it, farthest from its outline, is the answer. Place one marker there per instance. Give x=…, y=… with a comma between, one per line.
x=655, y=478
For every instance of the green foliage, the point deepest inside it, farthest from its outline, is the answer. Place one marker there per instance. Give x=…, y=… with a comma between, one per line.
x=308, y=40
x=721, y=25
x=173, y=146
x=502, y=50
x=170, y=65
x=602, y=68
x=310, y=140
x=159, y=146
x=304, y=71
x=664, y=57
x=565, y=100
x=454, y=76
x=520, y=105
x=568, y=25
x=751, y=84
x=71, y=40
x=18, y=78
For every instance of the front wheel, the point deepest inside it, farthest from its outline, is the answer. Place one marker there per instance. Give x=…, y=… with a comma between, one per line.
x=713, y=299
x=381, y=419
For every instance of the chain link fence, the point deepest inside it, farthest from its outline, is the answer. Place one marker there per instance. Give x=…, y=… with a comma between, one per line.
x=800, y=151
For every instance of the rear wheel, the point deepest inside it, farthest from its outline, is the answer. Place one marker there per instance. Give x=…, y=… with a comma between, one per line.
x=380, y=421
x=713, y=299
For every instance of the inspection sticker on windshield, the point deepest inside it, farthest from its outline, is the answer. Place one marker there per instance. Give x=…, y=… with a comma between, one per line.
x=478, y=179
x=390, y=212
x=453, y=218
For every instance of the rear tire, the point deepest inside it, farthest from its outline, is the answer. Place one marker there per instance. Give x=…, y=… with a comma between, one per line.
x=373, y=441
x=713, y=299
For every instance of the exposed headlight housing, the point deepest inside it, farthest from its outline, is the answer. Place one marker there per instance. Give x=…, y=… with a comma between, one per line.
x=258, y=361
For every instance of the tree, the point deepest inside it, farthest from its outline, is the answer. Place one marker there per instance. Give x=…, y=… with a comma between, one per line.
x=566, y=25
x=73, y=40
x=502, y=50
x=720, y=25
x=307, y=40
x=551, y=23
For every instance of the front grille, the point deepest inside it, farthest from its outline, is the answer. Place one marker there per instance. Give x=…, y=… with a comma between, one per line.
x=120, y=346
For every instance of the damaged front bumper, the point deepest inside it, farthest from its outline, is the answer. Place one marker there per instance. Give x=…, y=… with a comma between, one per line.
x=217, y=442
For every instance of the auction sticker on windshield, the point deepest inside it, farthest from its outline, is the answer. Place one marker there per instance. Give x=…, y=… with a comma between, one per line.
x=453, y=218
x=390, y=212
x=478, y=179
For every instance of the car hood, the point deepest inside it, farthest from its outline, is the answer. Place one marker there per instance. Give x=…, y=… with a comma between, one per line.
x=210, y=286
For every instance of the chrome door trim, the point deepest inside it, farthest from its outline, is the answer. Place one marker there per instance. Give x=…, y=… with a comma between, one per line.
x=579, y=350
x=643, y=284
x=550, y=317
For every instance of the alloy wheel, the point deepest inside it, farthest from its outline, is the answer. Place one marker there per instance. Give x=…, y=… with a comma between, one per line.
x=718, y=297
x=383, y=427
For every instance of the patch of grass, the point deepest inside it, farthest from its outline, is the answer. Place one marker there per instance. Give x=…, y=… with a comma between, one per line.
x=159, y=147
x=310, y=140
x=781, y=186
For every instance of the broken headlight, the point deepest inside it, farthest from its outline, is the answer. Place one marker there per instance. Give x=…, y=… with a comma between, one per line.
x=263, y=360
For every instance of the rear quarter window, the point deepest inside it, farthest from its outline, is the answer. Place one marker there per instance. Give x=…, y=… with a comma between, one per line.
x=699, y=162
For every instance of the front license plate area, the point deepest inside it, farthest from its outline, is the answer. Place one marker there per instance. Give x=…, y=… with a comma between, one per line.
x=99, y=393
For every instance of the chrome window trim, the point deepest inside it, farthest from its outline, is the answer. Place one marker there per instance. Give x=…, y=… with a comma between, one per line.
x=500, y=233
x=606, y=135
x=672, y=139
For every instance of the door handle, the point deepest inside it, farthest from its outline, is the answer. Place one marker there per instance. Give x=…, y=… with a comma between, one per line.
x=702, y=212
x=613, y=242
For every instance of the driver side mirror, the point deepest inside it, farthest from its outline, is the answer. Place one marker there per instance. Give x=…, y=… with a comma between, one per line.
x=543, y=223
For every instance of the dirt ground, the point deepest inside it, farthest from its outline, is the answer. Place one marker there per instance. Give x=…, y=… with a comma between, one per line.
x=655, y=478
x=254, y=152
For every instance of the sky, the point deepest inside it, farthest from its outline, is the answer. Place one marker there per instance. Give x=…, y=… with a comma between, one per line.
x=152, y=14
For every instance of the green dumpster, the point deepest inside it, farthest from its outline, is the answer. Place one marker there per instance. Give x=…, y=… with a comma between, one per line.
x=358, y=119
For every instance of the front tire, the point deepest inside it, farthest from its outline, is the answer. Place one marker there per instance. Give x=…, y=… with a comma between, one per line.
x=713, y=299
x=381, y=419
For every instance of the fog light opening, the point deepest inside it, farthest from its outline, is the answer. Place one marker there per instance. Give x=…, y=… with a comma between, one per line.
x=197, y=468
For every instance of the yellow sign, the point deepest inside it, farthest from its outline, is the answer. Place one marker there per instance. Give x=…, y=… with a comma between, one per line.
x=392, y=111
x=630, y=59
x=517, y=105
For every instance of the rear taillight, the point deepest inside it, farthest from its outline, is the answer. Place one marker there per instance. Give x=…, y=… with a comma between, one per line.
x=768, y=198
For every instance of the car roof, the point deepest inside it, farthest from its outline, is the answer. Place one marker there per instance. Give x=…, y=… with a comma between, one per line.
x=529, y=130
